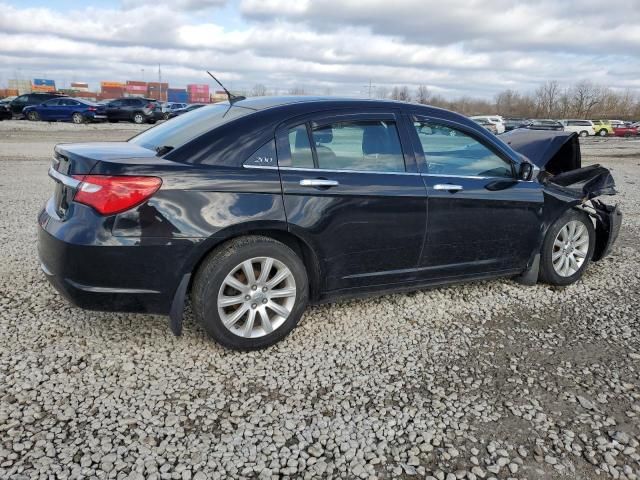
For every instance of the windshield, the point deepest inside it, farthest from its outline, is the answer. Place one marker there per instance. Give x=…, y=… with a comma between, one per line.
x=180, y=130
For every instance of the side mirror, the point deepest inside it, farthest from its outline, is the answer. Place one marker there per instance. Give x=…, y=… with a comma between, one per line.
x=526, y=171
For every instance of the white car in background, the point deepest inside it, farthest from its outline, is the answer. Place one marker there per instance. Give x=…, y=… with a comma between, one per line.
x=496, y=120
x=584, y=128
x=617, y=123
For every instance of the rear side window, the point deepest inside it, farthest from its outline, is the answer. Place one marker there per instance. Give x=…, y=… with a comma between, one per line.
x=449, y=151
x=359, y=145
x=265, y=156
x=300, y=147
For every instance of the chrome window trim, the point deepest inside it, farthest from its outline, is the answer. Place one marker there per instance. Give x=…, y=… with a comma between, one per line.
x=376, y=172
x=64, y=179
x=472, y=177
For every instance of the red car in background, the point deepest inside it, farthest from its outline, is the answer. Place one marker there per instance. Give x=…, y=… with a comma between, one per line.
x=625, y=131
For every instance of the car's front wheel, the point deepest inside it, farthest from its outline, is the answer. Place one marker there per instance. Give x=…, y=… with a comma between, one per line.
x=33, y=116
x=250, y=293
x=602, y=133
x=567, y=249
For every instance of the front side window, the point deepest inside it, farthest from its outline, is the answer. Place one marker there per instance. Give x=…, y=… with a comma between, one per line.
x=449, y=151
x=370, y=145
x=52, y=103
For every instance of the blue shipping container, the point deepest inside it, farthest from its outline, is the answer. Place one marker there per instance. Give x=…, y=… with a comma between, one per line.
x=178, y=97
x=43, y=82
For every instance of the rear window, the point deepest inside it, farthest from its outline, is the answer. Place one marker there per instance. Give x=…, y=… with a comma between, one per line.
x=188, y=126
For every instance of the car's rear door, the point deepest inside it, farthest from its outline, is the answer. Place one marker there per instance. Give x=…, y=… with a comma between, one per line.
x=481, y=218
x=353, y=193
x=113, y=109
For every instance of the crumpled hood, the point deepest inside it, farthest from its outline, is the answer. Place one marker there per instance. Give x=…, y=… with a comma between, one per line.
x=554, y=152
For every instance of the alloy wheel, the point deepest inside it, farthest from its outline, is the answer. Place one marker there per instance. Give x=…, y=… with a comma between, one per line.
x=570, y=248
x=256, y=297
x=77, y=118
x=137, y=118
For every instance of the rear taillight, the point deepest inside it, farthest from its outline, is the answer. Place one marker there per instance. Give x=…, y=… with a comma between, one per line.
x=114, y=194
x=92, y=109
x=150, y=106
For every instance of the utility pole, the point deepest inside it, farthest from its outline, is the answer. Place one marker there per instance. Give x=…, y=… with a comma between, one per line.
x=160, y=82
x=370, y=87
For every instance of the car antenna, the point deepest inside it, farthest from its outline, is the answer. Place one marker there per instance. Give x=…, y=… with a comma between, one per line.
x=232, y=98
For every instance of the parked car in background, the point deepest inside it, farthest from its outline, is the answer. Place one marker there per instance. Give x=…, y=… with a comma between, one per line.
x=5, y=112
x=544, y=124
x=133, y=109
x=626, y=131
x=359, y=197
x=66, y=109
x=602, y=127
x=497, y=120
x=584, y=128
x=172, y=108
x=513, y=123
x=189, y=108
x=488, y=125
x=20, y=102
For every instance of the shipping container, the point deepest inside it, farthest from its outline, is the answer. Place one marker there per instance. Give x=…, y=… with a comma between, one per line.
x=137, y=89
x=42, y=82
x=8, y=92
x=23, y=86
x=200, y=88
x=80, y=86
x=164, y=85
x=43, y=88
x=111, y=84
x=177, y=96
x=136, y=82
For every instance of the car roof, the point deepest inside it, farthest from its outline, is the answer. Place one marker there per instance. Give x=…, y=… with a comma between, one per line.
x=261, y=103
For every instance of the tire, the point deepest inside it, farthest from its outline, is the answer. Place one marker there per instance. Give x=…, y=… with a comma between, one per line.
x=33, y=116
x=573, y=230
x=152, y=121
x=166, y=116
x=77, y=118
x=138, y=118
x=602, y=133
x=584, y=133
x=227, y=264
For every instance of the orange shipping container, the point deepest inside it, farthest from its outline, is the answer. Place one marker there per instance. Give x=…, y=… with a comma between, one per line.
x=111, y=84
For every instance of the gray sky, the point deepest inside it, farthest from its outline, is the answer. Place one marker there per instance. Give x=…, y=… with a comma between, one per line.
x=455, y=47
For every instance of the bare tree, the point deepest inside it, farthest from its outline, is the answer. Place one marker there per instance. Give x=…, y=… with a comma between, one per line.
x=585, y=95
x=401, y=93
x=296, y=91
x=258, y=90
x=546, y=97
x=382, y=92
x=422, y=95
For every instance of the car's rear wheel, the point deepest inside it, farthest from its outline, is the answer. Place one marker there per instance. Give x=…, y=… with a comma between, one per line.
x=33, y=116
x=567, y=249
x=584, y=133
x=138, y=118
x=250, y=293
x=77, y=118
x=603, y=133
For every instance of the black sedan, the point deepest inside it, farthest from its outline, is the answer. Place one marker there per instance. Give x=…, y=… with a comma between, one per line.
x=551, y=125
x=259, y=207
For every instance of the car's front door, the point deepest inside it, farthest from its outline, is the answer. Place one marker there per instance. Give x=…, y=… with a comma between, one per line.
x=481, y=218
x=47, y=109
x=354, y=194
x=113, y=109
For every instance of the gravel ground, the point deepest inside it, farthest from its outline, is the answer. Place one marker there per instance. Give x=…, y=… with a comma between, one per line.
x=485, y=380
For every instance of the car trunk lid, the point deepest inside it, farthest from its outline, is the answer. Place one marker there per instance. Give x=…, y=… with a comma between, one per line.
x=81, y=159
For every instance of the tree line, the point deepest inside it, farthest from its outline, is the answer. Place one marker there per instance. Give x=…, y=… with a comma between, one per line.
x=550, y=100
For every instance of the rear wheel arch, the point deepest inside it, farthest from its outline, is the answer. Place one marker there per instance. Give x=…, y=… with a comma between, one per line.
x=297, y=244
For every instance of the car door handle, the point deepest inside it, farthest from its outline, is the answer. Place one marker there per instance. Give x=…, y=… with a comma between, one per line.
x=448, y=187
x=318, y=182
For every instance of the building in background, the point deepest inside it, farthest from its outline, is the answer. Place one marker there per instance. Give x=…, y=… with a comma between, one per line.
x=218, y=96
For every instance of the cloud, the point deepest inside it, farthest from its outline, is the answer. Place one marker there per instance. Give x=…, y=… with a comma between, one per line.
x=472, y=47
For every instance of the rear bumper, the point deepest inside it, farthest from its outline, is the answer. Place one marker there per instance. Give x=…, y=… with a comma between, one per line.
x=98, y=271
